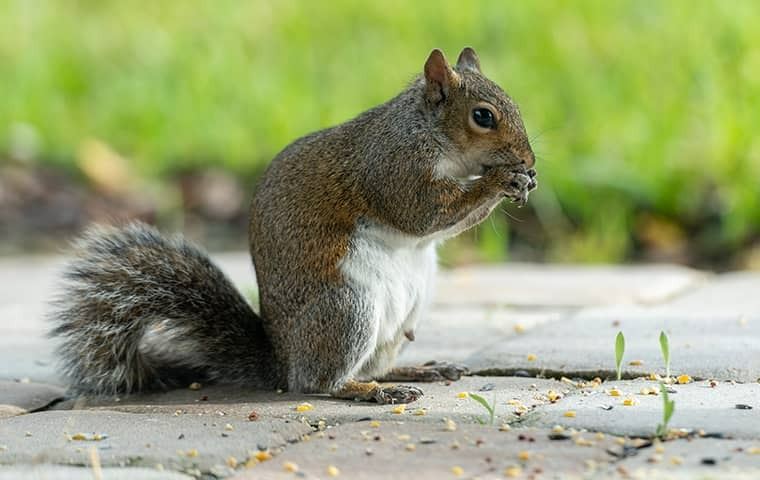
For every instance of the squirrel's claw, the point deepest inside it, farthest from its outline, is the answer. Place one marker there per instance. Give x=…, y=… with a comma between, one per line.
x=396, y=394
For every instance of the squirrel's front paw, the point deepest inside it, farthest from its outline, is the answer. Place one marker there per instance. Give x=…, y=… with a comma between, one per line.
x=396, y=394
x=519, y=185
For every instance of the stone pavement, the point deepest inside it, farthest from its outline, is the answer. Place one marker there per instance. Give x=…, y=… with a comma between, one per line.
x=535, y=338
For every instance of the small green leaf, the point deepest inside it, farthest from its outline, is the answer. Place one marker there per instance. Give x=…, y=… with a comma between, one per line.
x=619, y=351
x=490, y=408
x=665, y=348
x=668, y=408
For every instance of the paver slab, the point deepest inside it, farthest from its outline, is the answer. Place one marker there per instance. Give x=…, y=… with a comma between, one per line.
x=29, y=396
x=724, y=347
x=727, y=410
x=190, y=443
x=58, y=472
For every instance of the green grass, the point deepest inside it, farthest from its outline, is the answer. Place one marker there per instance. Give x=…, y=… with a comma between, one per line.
x=635, y=106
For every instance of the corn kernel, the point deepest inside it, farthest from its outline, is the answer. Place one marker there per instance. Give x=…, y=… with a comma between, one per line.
x=463, y=395
x=531, y=357
x=676, y=460
x=262, y=455
x=558, y=429
x=682, y=379
x=374, y=424
x=505, y=427
x=553, y=396
x=332, y=471
x=524, y=455
x=410, y=447
x=232, y=462
x=599, y=436
x=629, y=402
x=512, y=472
x=570, y=413
x=636, y=363
x=613, y=392
x=290, y=467
x=519, y=328
x=399, y=409
x=304, y=407
x=458, y=471
x=582, y=442
x=192, y=453
x=419, y=412
x=450, y=426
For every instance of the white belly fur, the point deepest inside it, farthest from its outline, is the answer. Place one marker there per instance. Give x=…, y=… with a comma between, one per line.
x=398, y=271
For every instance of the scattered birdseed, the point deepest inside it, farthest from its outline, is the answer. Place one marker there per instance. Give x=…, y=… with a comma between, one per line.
x=253, y=416
x=404, y=437
x=262, y=455
x=620, y=441
x=553, y=396
x=531, y=357
x=523, y=455
x=636, y=363
x=649, y=391
x=458, y=471
x=519, y=328
x=290, y=467
x=454, y=445
x=753, y=450
x=513, y=402
x=582, y=442
x=463, y=395
x=304, y=407
x=505, y=427
x=229, y=427
x=629, y=402
x=682, y=379
x=570, y=413
x=654, y=458
x=195, y=386
x=512, y=472
x=654, y=377
x=374, y=424
x=613, y=392
x=450, y=426
x=675, y=460
x=558, y=429
x=332, y=471
x=419, y=412
x=599, y=436
x=192, y=453
x=399, y=409
x=410, y=447
x=232, y=462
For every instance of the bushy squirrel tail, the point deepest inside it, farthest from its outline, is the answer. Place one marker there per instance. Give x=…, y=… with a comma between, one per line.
x=139, y=311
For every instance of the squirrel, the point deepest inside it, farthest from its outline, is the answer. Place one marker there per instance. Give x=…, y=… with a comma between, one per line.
x=344, y=226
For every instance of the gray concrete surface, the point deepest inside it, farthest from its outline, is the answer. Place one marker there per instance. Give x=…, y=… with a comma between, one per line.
x=510, y=321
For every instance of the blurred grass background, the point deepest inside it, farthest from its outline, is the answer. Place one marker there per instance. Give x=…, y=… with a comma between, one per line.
x=644, y=114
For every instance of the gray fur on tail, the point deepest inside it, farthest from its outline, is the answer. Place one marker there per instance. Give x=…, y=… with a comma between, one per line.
x=139, y=311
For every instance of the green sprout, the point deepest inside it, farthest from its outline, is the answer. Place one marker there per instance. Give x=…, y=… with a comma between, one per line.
x=490, y=407
x=619, y=351
x=668, y=407
x=665, y=347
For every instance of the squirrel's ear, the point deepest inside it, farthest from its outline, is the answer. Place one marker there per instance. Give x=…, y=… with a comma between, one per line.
x=439, y=76
x=468, y=60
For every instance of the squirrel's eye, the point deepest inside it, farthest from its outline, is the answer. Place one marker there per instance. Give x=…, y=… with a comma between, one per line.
x=484, y=118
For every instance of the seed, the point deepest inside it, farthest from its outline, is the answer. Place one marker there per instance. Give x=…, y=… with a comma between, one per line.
x=524, y=455
x=374, y=424
x=419, y=412
x=599, y=436
x=332, y=471
x=553, y=396
x=558, y=429
x=753, y=450
x=404, y=437
x=676, y=460
x=399, y=409
x=290, y=467
x=253, y=416
x=458, y=471
x=463, y=395
x=682, y=379
x=229, y=427
x=195, y=386
x=513, y=402
x=232, y=462
x=519, y=328
x=582, y=442
x=636, y=363
x=192, y=453
x=410, y=447
x=613, y=392
x=450, y=426
x=531, y=357
x=512, y=472
x=304, y=407
x=505, y=427
x=262, y=455
x=629, y=402
x=570, y=413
